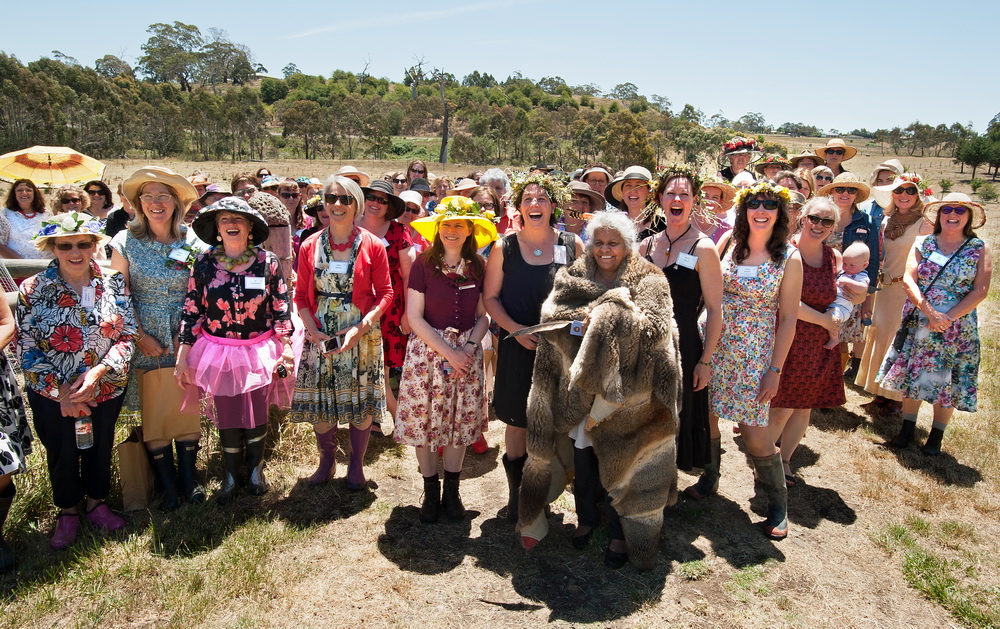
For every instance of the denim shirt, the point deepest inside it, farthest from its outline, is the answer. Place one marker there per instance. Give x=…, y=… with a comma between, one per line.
x=863, y=228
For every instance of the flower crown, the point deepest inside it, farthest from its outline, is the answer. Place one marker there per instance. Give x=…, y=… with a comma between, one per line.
x=922, y=186
x=315, y=201
x=70, y=223
x=678, y=170
x=557, y=192
x=774, y=159
x=737, y=144
x=763, y=187
x=462, y=207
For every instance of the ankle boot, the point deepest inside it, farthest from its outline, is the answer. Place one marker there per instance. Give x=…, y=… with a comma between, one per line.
x=451, y=502
x=6, y=552
x=905, y=436
x=187, y=471
x=515, y=470
x=430, y=508
x=708, y=482
x=231, y=440
x=255, y=460
x=356, y=467
x=162, y=460
x=327, y=444
x=771, y=475
x=852, y=371
x=933, y=445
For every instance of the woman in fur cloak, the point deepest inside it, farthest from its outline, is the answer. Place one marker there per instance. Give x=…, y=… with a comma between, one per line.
x=617, y=386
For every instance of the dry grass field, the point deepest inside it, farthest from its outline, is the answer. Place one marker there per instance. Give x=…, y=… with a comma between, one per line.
x=879, y=538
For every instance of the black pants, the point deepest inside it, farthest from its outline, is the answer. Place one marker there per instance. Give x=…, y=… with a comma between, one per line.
x=76, y=473
x=586, y=486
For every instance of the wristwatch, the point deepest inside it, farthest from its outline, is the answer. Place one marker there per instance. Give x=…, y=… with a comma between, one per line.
x=776, y=370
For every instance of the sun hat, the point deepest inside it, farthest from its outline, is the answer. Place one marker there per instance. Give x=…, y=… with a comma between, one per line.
x=396, y=205
x=728, y=191
x=978, y=218
x=596, y=169
x=773, y=160
x=214, y=189
x=595, y=199
x=198, y=180
x=461, y=186
x=892, y=165
x=412, y=196
x=613, y=193
x=270, y=181
x=545, y=168
x=883, y=194
x=738, y=145
x=836, y=143
x=806, y=154
x=846, y=180
x=458, y=208
x=186, y=193
x=273, y=210
x=313, y=205
x=351, y=172
x=69, y=224
x=420, y=185
x=206, y=229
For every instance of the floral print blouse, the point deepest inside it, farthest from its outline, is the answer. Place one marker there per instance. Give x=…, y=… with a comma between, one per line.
x=239, y=305
x=59, y=338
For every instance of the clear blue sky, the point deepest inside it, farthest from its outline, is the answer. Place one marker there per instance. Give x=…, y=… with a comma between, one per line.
x=836, y=65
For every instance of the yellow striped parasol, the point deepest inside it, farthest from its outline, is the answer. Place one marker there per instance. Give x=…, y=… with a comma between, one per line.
x=49, y=166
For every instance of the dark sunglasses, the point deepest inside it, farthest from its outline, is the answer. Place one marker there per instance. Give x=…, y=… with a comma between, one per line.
x=73, y=200
x=418, y=171
x=959, y=210
x=835, y=151
x=399, y=181
x=816, y=220
x=907, y=190
x=343, y=199
x=412, y=210
x=93, y=192
x=769, y=204
x=845, y=189
x=249, y=191
x=289, y=195
x=376, y=199
x=68, y=246
x=823, y=178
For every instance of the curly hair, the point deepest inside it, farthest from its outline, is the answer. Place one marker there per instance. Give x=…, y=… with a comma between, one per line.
x=777, y=243
x=55, y=203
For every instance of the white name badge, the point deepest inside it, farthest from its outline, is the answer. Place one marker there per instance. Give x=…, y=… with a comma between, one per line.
x=338, y=267
x=89, y=297
x=181, y=255
x=559, y=254
x=385, y=243
x=746, y=271
x=688, y=261
x=253, y=283
x=466, y=287
x=938, y=258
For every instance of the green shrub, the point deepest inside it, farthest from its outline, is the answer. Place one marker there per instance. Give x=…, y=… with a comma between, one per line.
x=988, y=192
x=976, y=184
x=946, y=185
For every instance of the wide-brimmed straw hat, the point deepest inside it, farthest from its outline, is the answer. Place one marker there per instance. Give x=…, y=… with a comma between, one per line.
x=739, y=145
x=806, y=154
x=412, y=196
x=596, y=199
x=883, y=194
x=69, y=224
x=461, y=186
x=613, y=193
x=846, y=180
x=206, y=229
x=728, y=192
x=892, y=165
x=458, y=208
x=836, y=143
x=596, y=169
x=351, y=172
x=214, y=189
x=773, y=160
x=186, y=193
x=396, y=205
x=978, y=218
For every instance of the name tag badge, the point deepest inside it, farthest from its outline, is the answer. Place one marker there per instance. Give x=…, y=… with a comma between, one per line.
x=862, y=230
x=938, y=258
x=181, y=255
x=746, y=271
x=253, y=283
x=687, y=260
x=89, y=296
x=385, y=242
x=466, y=287
x=338, y=267
x=559, y=254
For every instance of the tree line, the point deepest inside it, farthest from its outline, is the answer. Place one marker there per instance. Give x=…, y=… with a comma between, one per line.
x=204, y=97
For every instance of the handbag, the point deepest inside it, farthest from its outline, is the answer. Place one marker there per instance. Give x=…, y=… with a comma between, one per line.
x=911, y=319
x=134, y=471
x=160, y=400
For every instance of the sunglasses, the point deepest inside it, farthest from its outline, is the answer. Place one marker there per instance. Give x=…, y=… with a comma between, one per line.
x=908, y=190
x=845, y=190
x=412, y=209
x=399, y=181
x=72, y=200
x=816, y=220
x=68, y=246
x=823, y=178
x=419, y=172
x=93, y=192
x=376, y=199
x=343, y=199
x=769, y=204
x=959, y=210
x=835, y=151
x=155, y=198
x=289, y=195
x=249, y=191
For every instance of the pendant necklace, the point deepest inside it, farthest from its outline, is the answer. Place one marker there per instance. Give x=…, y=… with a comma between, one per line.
x=670, y=243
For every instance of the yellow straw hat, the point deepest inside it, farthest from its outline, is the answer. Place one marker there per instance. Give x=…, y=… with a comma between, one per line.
x=458, y=208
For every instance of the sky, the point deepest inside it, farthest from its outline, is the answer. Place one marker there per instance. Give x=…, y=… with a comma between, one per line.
x=837, y=66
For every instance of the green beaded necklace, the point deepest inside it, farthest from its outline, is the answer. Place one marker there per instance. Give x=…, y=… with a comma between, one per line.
x=232, y=263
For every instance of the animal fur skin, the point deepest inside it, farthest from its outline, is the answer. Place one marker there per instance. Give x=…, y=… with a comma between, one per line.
x=629, y=356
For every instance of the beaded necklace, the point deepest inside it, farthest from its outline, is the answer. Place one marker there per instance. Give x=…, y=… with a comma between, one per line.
x=347, y=245
x=232, y=263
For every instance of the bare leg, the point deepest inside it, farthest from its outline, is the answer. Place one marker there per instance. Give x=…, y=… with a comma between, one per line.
x=516, y=442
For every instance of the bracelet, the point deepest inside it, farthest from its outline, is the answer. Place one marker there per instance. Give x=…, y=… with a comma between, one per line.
x=141, y=337
x=776, y=370
x=471, y=343
x=702, y=362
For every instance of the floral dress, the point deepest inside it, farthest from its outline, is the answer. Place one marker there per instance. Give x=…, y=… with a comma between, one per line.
x=347, y=387
x=749, y=313
x=393, y=340
x=939, y=367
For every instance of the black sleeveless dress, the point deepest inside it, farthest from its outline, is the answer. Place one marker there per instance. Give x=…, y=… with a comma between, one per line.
x=525, y=287
x=693, y=438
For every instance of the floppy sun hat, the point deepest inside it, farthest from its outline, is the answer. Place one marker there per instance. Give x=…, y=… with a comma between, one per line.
x=186, y=193
x=883, y=194
x=846, y=180
x=978, y=218
x=396, y=205
x=613, y=193
x=728, y=192
x=806, y=154
x=459, y=208
x=69, y=224
x=351, y=172
x=206, y=229
x=836, y=143
x=739, y=145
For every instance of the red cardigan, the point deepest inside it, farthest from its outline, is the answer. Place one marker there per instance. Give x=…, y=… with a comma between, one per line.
x=371, y=275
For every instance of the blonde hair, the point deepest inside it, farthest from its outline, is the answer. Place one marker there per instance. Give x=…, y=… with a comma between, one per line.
x=55, y=203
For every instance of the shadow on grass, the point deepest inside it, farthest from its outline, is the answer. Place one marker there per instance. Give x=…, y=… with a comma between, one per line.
x=944, y=468
x=836, y=419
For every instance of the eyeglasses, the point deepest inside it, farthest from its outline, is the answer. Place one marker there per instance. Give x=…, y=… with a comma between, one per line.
x=289, y=195
x=908, y=190
x=816, y=220
x=249, y=191
x=68, y=246
x=376, y=199
x=835, y=151
x=488, y=206
x=959, y=210
x=412, y=209
x=845, y=190
x=823, y=178
x=769, y=204
x=343, y=199
x=69, y=200
x=399, y=181
x=303, y=185
x=419, y=171
x=155, y=198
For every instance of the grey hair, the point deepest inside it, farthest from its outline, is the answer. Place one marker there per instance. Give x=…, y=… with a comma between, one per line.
x=615, y=221
x=495, y=174
x=352, y=188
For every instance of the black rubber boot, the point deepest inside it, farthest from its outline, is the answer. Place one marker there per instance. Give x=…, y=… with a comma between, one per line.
x=933, y=445
x=255, y=460
x=515, y=470
x=6, y=552
x=231, y=440
x=430, y=508
x=162, y=460
x=451, y=502
x=187, y=471
x=771, y=474
x=708, y=482
x=905, y=436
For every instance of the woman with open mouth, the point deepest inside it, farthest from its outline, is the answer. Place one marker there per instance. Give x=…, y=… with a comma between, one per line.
x=631, y=193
